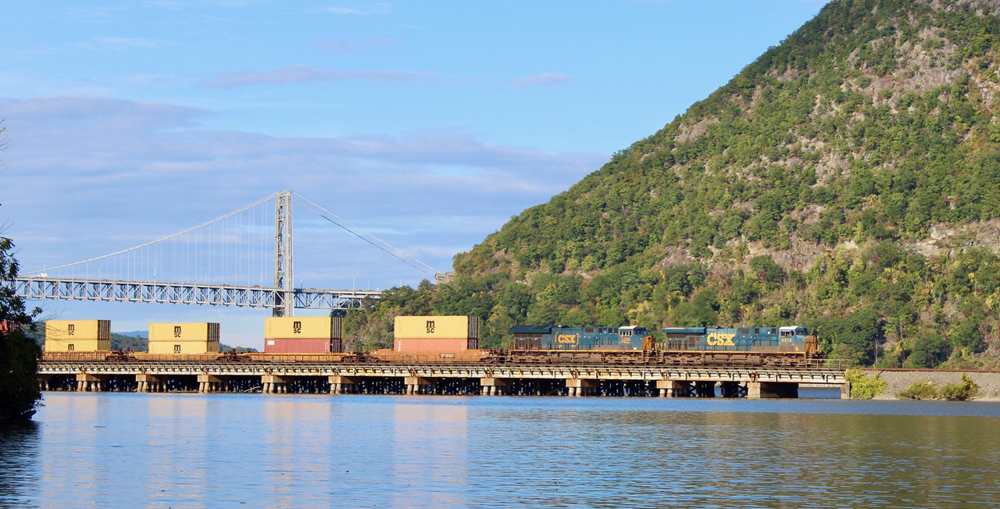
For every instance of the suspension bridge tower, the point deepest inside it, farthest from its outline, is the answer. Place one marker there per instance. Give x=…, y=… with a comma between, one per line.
x=284, y=280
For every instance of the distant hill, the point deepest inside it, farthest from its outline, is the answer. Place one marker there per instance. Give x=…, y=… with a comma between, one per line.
x=844, y=181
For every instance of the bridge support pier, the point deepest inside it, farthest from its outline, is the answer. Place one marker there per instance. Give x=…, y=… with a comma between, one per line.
x=341, y=384
x=673, y=388
x=845, y=390
x=417, y=385
x=274, y=384
x=761, y=390
x=579, y=387
x=43, y=382
x=148, y=383
x=88, y=382
x=494, y=386
x=210, y=383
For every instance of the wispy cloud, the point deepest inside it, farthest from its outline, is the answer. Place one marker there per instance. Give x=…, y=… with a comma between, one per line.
x=308, y=73
x=546, y=78
x=128, y=43
x=377, y=9
x=348, y=45
x=79, y=167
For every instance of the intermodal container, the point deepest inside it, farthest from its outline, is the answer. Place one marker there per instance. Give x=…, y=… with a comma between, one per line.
x=77, y=335
x=302, y=345
x=436, y=327
x=185, y=337
x=311, y=327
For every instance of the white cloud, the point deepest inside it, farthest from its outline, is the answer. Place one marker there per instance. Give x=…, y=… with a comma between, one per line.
x=307, y=73
x=86, y=176
x=350, y=45
x=376, y=9
x=546, y=78
x=128, y=43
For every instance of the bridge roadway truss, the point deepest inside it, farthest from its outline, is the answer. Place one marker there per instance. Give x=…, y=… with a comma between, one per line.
x=182, y=293
x=579, y=379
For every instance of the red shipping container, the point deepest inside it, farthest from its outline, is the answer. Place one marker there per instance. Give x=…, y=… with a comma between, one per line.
x=436, y=345
x=300, y=345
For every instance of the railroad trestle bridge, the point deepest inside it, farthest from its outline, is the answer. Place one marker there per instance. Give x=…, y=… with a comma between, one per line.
x=458, y=378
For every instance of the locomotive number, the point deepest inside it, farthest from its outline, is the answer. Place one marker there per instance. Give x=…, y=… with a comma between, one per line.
x=720, y=339
x=566, y=339
x=786, y=340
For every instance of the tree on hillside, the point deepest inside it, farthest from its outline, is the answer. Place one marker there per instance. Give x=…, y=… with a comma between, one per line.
x=18, y=355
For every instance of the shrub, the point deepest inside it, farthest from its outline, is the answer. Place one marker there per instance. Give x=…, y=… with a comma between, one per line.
x=919, y=390
x=960, y=392
x=863, y=386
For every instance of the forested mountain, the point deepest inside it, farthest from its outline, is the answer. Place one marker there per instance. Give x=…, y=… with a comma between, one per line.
x=846, y=180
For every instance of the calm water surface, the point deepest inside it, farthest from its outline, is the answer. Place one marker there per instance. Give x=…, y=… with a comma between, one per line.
x=179, y=451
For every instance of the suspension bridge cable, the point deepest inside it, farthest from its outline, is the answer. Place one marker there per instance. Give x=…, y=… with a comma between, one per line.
x=352, y=232
x=358, y=235
x=168, y=237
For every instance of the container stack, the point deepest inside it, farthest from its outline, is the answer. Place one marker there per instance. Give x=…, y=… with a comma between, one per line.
x=436, y=333
x=191, y=337
x=303, y=334
x=78, y=335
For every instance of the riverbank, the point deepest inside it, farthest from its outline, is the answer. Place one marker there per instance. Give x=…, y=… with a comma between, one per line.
x=899, y=381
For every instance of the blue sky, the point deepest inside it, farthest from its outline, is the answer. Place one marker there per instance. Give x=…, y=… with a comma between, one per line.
x=429, y=123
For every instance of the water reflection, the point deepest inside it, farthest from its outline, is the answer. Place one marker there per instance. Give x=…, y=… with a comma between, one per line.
x=430, y=462
x=19, y=477
x=228, y=450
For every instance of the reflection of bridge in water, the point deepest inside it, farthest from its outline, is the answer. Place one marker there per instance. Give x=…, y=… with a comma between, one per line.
x=242, y=259
x=566, y=380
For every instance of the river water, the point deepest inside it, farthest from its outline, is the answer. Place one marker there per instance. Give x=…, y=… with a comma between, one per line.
x=228, y=450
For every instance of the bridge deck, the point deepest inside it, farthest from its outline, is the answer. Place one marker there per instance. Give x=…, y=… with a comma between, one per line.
x=182, y=293
x=422, y=378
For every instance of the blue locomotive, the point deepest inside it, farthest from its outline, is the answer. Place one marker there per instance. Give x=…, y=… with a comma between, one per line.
x=694, y=346
x=631, y=337
x=791, y=339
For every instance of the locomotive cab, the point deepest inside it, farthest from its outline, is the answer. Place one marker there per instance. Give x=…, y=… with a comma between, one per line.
x=633, y=336
x=796, y=338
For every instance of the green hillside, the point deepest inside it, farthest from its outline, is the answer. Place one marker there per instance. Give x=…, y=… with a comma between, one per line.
x=845, y=181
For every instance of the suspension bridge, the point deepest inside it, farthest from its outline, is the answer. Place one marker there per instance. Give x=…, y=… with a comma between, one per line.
x=242, y=259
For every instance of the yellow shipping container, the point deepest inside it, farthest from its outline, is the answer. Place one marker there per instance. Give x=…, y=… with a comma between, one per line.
x=189, y=337
x=287, y=327
x=189, y=331
x=437, y=327
x=179, y=346
x=77, y=335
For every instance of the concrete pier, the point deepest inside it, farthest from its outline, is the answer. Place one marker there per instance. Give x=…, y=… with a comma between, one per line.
x=341, y=384
x=673, y=388
x=494, y=386
x=580, y=387
x=417, y=385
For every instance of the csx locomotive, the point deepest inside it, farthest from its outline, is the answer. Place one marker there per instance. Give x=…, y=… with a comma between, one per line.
x=754, y=346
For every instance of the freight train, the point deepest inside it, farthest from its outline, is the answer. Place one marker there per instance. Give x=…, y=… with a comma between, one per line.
x=689, y=346
x=789, y=346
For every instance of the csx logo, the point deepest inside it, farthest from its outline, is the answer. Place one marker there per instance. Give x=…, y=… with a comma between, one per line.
x=720, y=339
x=567, y=339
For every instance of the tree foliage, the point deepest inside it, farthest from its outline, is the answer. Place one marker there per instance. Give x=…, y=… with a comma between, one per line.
x=812, y=188
x=18, y=354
